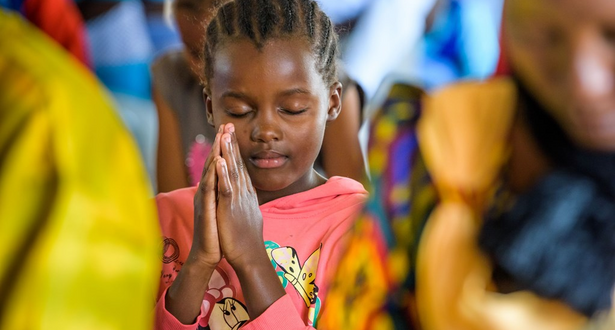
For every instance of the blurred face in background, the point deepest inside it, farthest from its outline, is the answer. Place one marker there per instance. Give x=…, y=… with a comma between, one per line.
x=564, y=52
x=192, y=17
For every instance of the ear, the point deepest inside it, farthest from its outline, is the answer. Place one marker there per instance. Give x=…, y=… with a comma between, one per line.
x=208, y=108
x=335, y=101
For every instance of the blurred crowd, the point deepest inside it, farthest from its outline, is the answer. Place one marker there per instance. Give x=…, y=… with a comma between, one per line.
x=482, y=129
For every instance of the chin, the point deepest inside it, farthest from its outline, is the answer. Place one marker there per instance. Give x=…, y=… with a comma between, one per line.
x=596, y=141
x=269, y=184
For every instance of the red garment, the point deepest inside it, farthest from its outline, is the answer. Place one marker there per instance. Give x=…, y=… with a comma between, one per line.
x=62, y=21
x=503, y=68
x=305, y=230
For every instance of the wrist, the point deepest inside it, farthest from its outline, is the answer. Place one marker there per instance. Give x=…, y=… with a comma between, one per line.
x=200, y=262
x=259, y=282
x=251, y=260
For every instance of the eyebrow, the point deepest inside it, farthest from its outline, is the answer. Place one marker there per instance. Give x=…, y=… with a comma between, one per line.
x=294, y=91
x=242, y=96
x=235, y=95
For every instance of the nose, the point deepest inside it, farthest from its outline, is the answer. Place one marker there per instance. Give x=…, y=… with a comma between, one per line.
x=593, y=74
x=266, y=127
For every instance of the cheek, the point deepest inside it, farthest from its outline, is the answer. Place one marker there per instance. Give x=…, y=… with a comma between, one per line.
x=542, y=72
x=310, y=137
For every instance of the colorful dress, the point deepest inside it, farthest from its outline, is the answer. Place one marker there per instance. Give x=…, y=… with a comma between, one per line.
x=382, y=251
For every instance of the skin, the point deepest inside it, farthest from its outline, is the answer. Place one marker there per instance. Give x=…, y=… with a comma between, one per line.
x=564, y=51
x=286, y=116
x=191, y=16
x=171, y=171
x=341, y=151
x=271, y=102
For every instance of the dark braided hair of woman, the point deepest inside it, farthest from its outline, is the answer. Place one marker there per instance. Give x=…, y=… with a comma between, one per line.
x=263, y=20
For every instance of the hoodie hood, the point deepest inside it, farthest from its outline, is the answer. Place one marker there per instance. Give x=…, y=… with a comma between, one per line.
x=338, y=192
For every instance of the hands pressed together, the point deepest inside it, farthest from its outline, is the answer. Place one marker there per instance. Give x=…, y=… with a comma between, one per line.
x=227, y=218
x=227, y=223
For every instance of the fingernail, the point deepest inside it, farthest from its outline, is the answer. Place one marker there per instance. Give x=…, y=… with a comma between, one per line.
x=220, y=128
x=227, y=138
x=231, y=128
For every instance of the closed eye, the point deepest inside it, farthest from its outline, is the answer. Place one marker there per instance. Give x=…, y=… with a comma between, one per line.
x=237, y=114
x=293, y=112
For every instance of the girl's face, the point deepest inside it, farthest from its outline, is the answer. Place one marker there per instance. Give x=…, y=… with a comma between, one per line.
x=564, y=51
x=279, y=105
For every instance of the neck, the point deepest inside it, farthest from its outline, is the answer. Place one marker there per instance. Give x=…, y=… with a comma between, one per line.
x=308, y=181
x=528, y=163
x=562, y=152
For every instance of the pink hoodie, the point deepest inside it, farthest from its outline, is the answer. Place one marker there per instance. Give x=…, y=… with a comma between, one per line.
x=304, y=238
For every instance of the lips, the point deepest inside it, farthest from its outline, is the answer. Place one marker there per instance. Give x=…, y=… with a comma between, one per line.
x=268, y=159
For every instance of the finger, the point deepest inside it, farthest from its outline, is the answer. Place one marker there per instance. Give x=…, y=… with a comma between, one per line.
x=235, y=156
x=207, y=189
x=211, y=203
x=214, y=152
x=211, y=185
x=243, y=171
x=235, y=149
x=244, y=176
x=225, y=187
x=229, y=157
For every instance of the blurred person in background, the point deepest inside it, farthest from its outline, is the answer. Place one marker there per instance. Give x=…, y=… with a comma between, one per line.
x=503, y=215
x=430, y=42
x=78, y=232
x=59, y=19
x=461, y=42
x=381, y=38
x=184, y=136
x=121, y=49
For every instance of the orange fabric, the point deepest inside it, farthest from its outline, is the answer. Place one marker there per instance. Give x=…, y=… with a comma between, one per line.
x=464, y=139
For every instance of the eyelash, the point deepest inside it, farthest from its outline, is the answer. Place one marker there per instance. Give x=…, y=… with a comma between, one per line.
x=286, y=111
x=292, y=112
x=235, y=115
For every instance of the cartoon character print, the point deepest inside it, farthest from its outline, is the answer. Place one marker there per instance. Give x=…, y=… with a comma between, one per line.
x=229, y=313
x=269, y=247
x=224, y=311
x=301, y=277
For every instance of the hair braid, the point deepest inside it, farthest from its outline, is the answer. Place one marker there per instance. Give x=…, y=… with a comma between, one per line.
x=262, y=20
x=290, y=9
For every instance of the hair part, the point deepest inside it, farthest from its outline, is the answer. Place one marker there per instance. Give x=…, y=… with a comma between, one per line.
x=263, y=20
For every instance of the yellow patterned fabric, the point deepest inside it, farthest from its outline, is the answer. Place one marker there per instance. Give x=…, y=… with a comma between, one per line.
x=78, y=231
x=373, y=286
x=463, y=136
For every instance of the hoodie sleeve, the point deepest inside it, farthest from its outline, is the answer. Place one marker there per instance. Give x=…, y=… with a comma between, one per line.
x=164, y=320
x=280, y=315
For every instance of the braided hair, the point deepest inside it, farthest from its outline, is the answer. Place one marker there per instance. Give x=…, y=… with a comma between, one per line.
x=262, y=20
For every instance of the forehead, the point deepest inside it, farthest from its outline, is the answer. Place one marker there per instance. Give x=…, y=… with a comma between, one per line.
x=196, y=6
x=570, y=11
x=281, y=64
